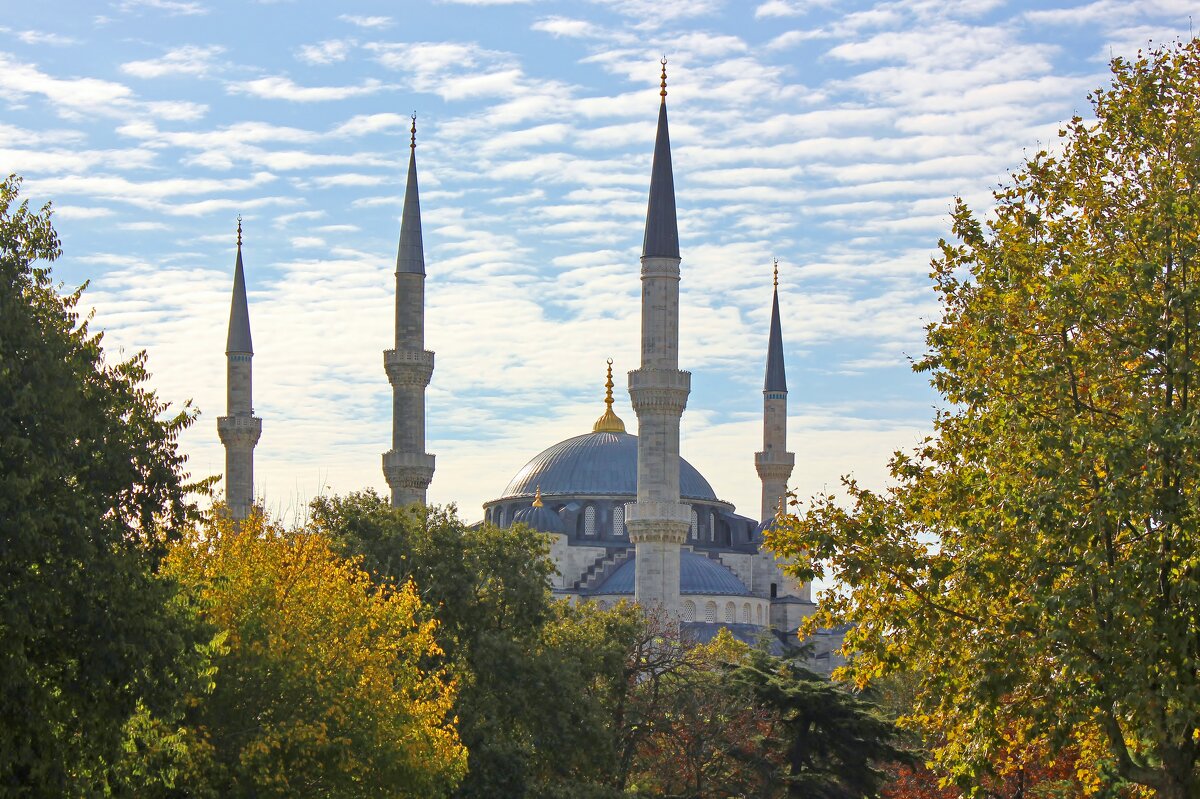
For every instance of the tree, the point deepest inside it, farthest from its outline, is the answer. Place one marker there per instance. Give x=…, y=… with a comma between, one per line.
x=821, y=740
x=1036, y=559
x=91, y=487
x=489, y=589
x=325, y=687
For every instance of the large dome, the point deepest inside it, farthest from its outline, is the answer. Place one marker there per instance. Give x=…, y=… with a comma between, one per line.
x=596, y=464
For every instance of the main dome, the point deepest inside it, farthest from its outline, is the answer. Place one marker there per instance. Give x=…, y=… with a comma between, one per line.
x=596, y=464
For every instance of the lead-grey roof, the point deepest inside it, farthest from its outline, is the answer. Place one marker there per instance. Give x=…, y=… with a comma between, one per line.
x=238, y=339
x=662, y=232
x=776, y=379
x=593, y=464
x=410, y=257
x=697, y=575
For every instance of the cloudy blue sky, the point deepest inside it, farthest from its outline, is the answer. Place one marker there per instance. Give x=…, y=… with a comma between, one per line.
x=830, y=135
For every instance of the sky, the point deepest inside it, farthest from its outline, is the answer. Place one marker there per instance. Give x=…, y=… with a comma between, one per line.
x=832, y=136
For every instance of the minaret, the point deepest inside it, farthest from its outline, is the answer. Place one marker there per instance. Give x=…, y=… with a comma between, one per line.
x=407, y=467
x=239, y=428
x=774, y=463
x=657, y=521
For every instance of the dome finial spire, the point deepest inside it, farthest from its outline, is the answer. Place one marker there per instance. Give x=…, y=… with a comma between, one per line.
x=537, y=499
x=609, y=422
x=663, y=92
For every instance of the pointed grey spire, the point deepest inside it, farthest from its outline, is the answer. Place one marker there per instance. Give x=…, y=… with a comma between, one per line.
x=776, y=379
x=239, y=314
x=411, y=256
x=662, y=232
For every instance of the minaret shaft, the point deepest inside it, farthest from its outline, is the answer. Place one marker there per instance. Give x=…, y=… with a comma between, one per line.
x=658, y=522
x=409, y=366
x=774, y=463
x=239, y=428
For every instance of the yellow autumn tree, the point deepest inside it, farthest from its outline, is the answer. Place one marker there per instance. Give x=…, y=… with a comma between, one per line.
x=324, y=688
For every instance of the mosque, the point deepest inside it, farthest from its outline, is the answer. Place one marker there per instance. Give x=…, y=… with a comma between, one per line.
x=627, y=516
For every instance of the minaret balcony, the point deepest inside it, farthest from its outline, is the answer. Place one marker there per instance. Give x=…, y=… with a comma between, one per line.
x=408, y=368
x=239, y=430
x=659, y=390
x=411, y=470
x=666, y=522
x=774, y=465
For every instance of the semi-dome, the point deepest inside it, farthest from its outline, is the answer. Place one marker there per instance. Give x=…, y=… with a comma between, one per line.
x=596, y=464
x=539, y=517
x=697, y=575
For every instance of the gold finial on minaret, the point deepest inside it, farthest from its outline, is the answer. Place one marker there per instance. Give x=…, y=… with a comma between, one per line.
x=537, y=499
x=776, y=272
x=663, y=92
x=239, y=230
x=609, y=422
x=412, y=144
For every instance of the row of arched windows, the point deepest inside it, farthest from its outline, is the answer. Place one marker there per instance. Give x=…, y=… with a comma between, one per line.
x=730, y=612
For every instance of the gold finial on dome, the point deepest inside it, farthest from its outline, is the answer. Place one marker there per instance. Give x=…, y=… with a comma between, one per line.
x=537, y=500
x=609, y=422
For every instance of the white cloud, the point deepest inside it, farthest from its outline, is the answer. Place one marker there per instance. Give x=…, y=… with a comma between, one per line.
x=186, y=60
x=366, y=124
x=78, y=98
x=366, y=22
x=172, y=7
x=279, y=87
x=787, y=8
x=330, y=51
x=42, y=37
x=568, y=27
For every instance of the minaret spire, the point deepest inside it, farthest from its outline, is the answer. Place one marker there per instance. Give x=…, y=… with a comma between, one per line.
x=774, y=463
x=239, y=429
x=658, y=522
x=407, y=467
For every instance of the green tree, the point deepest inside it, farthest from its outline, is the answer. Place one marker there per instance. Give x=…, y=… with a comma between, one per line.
x=819, y=739
x=1036, y=560
x=489, y=589
x=91, y=486
x=324, y=688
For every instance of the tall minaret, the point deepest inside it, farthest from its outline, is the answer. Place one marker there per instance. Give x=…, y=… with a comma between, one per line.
x=407, y=466
x=657, y=521
x=239, y=428
x=774, y=463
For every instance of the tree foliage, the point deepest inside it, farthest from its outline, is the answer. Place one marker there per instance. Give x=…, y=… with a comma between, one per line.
x=325, y=687
x=91, y=486
x=1036, y=561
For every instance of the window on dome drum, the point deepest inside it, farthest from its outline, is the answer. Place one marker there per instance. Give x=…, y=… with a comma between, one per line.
x=695, y=523
x=730, y=612
x=689, y=611
x=619, y=520
x=712, y=522
x=710, y=612
x=746, y=613
x=589, y=520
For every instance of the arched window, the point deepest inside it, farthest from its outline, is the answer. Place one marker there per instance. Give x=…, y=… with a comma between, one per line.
x=710, y=612
x=589, y=520
x=695, y=524
x=712, y=524
x=730, y=612
x=746, y=613
x=619, y=520
x=689, y=611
